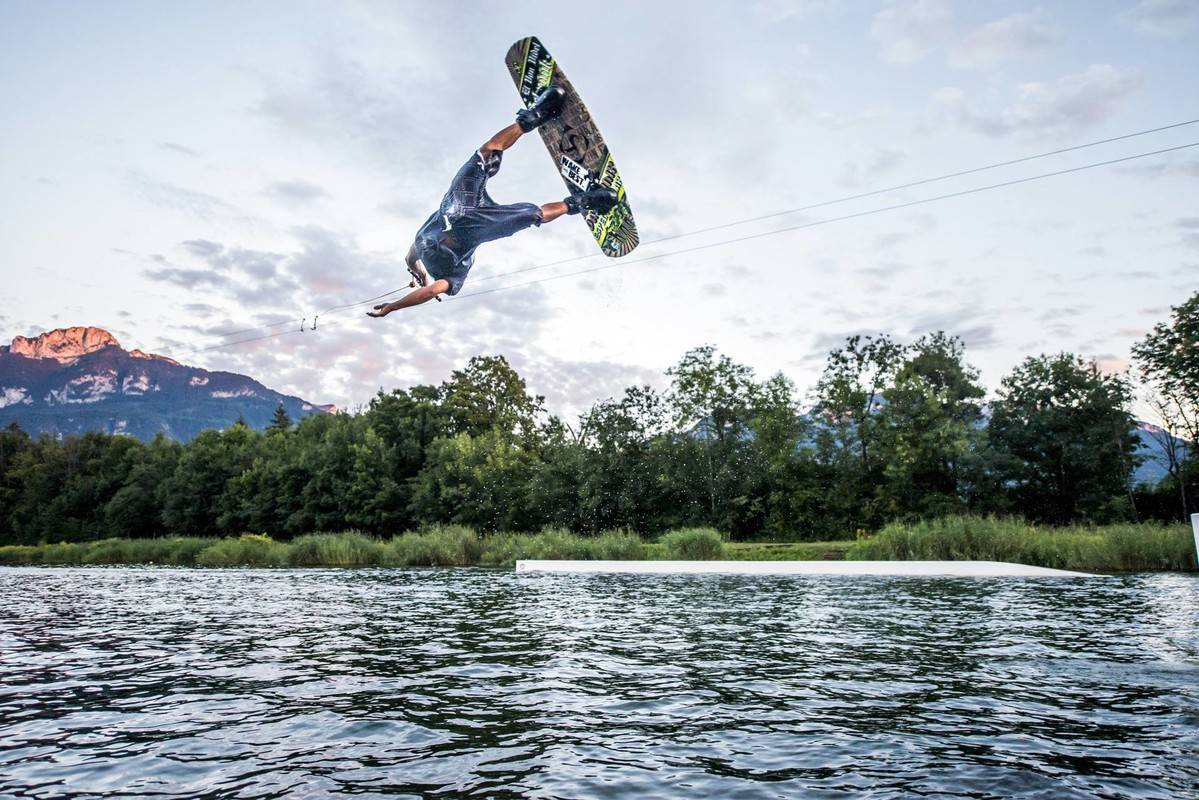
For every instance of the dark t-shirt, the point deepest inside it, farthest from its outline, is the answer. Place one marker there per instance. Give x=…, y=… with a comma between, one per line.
x=437, y=252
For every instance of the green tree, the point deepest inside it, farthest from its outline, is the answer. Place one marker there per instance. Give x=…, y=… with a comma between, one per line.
x=14, y=442
x=557, y=485
x=1168, y=362
x=1066, y=437
x=849, y=428
x=783, y=492
x=711, y=399
x=488, y=395
x=195, y=499
x=929, y=427
x=480, y=481
x=133, y=510
x=619, y=487
x=409, y=420
x=280, y=422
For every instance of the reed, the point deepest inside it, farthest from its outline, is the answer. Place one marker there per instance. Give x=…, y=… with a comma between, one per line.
x=438, y=546
x=247, y=550
x=692, y=544
x=1107, y=548
x=350, y=549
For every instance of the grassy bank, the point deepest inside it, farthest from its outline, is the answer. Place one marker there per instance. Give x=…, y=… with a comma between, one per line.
x=440, y=546
x=1111, y=548
x=1105, y=548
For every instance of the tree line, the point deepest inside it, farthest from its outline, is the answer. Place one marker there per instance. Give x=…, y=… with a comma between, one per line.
x=891, y=432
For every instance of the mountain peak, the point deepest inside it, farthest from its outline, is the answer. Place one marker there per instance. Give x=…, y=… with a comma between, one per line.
x=74, y=380
x=64, y=344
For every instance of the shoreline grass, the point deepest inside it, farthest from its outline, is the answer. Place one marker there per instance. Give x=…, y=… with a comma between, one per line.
x=1143, y=547
x=1110, y=548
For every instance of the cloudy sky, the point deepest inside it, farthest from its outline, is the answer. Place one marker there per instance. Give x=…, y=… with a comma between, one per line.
x=172, y=171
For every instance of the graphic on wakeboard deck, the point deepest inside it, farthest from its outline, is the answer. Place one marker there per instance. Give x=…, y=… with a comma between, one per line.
x=575, y=144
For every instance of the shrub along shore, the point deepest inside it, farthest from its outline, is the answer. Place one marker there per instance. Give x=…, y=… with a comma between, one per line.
x=1108, y=548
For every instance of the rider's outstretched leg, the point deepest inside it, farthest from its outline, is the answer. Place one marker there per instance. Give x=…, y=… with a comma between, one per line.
x=503, y=139
x=547, y=106
x=600, y=199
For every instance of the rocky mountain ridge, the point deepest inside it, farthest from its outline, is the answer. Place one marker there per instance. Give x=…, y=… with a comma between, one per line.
x=79, y=379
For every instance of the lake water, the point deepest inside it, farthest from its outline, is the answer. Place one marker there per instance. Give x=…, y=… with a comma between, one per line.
x=474, y=683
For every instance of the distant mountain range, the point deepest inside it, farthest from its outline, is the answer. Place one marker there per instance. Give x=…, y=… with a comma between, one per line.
x=1153, y=444
x=74, y=380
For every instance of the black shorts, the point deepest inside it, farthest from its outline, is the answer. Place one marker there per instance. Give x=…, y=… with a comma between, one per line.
x=467, y=218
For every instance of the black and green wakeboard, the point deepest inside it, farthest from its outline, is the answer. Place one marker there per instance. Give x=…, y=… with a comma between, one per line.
x=575, y=144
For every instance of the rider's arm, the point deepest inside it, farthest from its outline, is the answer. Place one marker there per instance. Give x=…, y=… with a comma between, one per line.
x=417, y=296
x=415, y=268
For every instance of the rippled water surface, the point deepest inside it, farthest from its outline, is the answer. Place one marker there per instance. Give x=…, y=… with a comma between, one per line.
x=475, y=683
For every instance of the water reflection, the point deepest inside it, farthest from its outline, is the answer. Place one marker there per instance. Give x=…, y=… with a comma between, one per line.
x=452, y=683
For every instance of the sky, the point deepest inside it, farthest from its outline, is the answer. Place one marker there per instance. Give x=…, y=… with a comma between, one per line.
x=175, y=171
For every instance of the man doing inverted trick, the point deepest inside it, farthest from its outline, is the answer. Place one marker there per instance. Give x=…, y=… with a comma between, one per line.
x=444, y=250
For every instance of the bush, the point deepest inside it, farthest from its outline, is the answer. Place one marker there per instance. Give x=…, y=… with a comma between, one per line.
x=1112, y=548
x=182, y=551
x=439, y=546
x=62, y=553
x=108, y=551
x=618, y=546
x=20, y=554
x=350, y=549
x=505, y=549
x=692, y=544
x=248, y=550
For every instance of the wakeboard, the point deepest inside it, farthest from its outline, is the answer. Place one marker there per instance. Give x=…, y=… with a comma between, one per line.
x=575, y=144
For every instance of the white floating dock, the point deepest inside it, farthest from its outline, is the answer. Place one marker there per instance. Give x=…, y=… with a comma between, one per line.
x=928, y=569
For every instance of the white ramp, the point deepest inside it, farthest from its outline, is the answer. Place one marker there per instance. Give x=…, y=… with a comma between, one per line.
x=1195, y=530
x=929, y=569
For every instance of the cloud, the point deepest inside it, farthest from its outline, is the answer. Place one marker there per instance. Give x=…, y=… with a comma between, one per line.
x=1053, y=314
x=1070, y=104
x=357, y=356
x=907, y=29
x=325, y=269
x=883, y=271
x=247, y=276
x=1003, y=39
x=571, y=386
x=203, y=309
x=979, y=337
x=188, y=278
x=174, y=147
x=824, y=343
x=1162, y=18
x=780, y=10
x=1170, y=166
x=167, y=195
x=201, y=247
x=886, y=241
x=1189, y=228
x=295, y=193
x=878, y=162
x=396, y=118
x=1110, y=364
